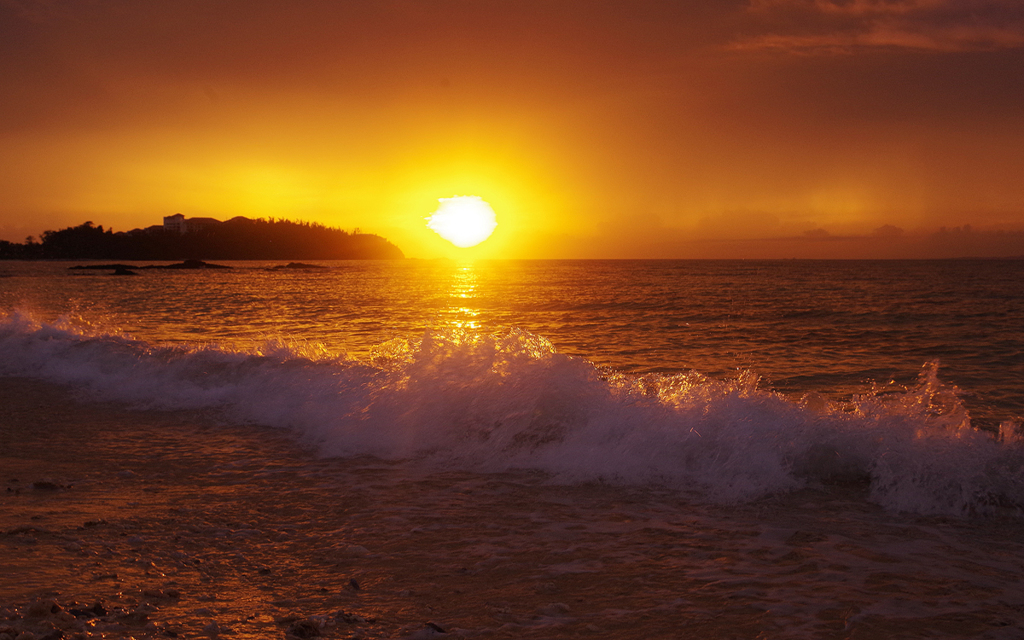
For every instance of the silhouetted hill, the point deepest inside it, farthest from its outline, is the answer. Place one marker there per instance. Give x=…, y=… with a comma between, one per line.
x=236, y=239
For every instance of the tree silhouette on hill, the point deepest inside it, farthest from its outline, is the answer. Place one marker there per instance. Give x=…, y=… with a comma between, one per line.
x=236, y=239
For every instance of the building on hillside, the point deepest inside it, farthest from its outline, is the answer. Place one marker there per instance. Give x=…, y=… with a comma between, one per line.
x=175, y=223
x=180, y=224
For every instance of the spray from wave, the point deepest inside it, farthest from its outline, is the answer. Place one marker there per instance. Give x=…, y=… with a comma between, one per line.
x=509, y=401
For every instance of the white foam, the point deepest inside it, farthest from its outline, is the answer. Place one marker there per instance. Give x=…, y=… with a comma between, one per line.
x=498, y=402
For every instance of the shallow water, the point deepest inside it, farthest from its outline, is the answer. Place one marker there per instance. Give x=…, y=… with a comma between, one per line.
x=250, y=533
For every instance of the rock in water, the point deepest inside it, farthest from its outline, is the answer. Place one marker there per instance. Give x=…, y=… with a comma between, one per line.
x=303, y=629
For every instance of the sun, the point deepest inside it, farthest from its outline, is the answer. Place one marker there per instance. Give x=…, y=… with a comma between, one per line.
x=465, y=221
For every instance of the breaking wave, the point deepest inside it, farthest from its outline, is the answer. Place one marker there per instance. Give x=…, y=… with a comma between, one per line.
x=509, y=401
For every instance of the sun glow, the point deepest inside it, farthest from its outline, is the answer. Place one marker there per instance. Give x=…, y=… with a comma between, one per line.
x=465, y=221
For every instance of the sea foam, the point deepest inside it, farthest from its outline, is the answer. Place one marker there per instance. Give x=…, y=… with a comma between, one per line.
x=456, y=399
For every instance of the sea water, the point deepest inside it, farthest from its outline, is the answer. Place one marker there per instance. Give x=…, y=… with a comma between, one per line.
x=647, y=366
x=670, y=387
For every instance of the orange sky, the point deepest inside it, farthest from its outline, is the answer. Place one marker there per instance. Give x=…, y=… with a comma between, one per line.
x=597, y=129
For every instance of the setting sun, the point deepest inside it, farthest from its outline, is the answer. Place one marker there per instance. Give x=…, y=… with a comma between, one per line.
x=465, y=221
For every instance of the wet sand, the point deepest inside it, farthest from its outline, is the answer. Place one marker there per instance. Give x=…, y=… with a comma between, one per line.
x=117, y=522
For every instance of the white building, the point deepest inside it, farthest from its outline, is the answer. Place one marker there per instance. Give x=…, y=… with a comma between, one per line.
x=175, y=223
x=180, y=224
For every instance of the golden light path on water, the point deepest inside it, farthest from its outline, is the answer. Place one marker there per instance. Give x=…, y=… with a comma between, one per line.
x=463, y=293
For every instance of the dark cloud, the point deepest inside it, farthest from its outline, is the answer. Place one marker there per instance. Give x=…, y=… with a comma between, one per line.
x=837, y=26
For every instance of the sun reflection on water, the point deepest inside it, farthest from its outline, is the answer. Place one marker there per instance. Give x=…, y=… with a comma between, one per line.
x=461, y=313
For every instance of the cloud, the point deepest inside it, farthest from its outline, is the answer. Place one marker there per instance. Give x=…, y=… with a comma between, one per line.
x=851, y=7
x=813, y=27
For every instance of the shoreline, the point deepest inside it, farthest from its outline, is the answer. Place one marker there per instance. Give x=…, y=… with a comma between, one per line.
x=174, y=525
x=145, y=516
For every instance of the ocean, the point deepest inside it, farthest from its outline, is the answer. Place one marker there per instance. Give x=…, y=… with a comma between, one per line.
x=541, y=449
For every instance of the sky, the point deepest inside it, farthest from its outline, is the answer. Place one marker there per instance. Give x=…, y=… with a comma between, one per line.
x=595, y=129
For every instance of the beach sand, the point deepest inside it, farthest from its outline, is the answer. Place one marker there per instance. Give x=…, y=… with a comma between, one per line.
x=117, y=522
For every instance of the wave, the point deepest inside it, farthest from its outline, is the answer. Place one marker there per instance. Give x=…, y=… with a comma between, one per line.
x=506, y=401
